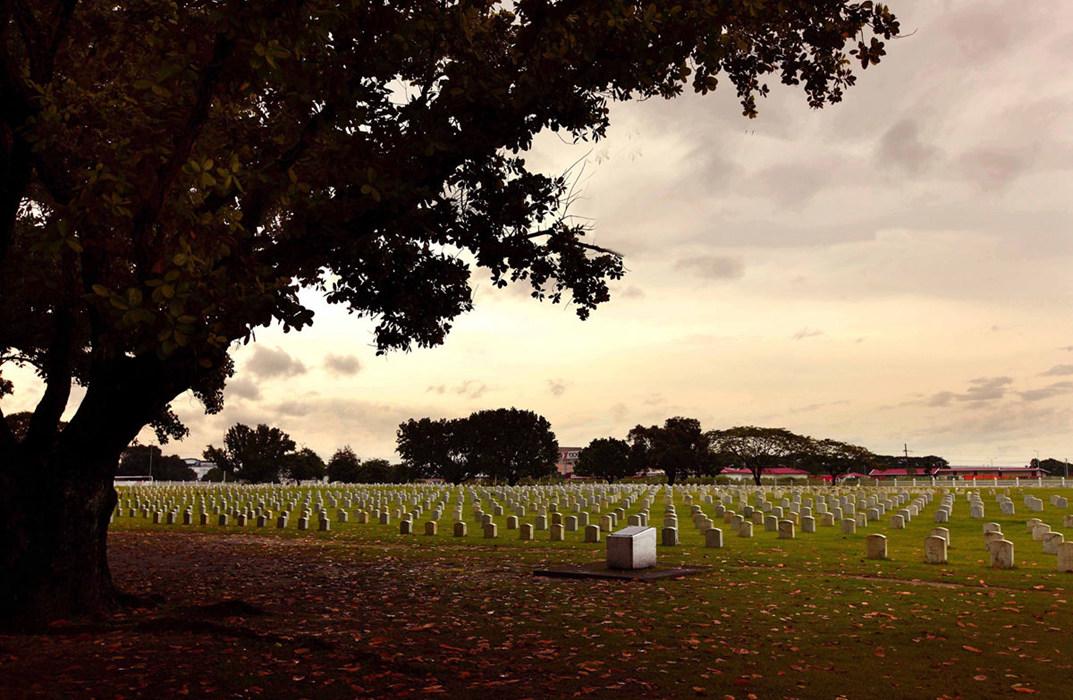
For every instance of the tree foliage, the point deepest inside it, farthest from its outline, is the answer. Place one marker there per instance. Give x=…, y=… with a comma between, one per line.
x=511, y=444
x=254, y=455
x=606, y=458
x=756, y=448
x=437, y=448
x=833, y=458
x=503, y=445
x=678, y=447
x=149, y=460
x=305, y=465
x=344, y=466
x=173, y=175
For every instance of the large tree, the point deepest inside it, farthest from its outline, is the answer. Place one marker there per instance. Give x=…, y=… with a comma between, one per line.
x=173, y=174
x=606, y=458
x=149, y=460
x=304, y=465
x=436, y=448
x=344, y=466
x=256, y=455
x=757, y=448
x=511, y=444
x=833, y=458
x=678, y=447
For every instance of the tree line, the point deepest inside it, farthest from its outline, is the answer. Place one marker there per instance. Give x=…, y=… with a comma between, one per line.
x=680, y=448
x=510, y=445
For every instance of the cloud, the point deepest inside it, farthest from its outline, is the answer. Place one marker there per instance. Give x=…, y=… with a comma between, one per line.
x=992, y=168
x=901, y=145
x=986, y=389
x=712, y=267
x=342, y=364
x=293, y=408
x=243, y=388
x=979, y=390
x=806, y=332
x=1058, y=371
x=557, y=387
x=267, y=363
x=632, y=292
x=436, y=389
x=1047, y=392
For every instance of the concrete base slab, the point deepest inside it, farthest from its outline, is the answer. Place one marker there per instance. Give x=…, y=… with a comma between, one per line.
x=599, y=570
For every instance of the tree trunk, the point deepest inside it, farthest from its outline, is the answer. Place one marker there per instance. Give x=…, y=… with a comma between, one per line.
x=53, y=542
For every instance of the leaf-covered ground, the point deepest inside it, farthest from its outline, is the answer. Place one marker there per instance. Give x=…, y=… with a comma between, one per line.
x=248, y=615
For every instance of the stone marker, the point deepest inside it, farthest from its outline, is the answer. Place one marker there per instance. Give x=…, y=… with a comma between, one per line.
x=670, y=536
x=1001, y=552
x=935, y=550
x=875, y=546
x=849, y=526
x=558, y=532
x=430, y=528
x=632, y=548
x=490, y=531
x=525, y=532
x=1065, y=557
x=746, y=529
x=942, y=532
x=713, y=538
x=1051, y=540
x=460, y=529
x=592, y=533
x=786, y=530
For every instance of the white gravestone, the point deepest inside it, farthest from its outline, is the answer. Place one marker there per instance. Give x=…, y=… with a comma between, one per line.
x=632, y=548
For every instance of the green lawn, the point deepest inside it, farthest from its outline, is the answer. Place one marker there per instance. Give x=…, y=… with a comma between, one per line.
x=809, y=617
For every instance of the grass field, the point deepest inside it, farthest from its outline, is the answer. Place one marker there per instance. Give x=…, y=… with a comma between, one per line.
x=416, y=615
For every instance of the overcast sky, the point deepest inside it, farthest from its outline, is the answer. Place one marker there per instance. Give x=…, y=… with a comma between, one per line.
x=894, y=269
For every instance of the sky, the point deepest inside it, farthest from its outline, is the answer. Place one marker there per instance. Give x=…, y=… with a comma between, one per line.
x=893, y=270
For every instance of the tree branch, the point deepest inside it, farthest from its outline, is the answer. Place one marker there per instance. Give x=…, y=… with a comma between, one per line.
x=45, y=421
x=7, y=437
x=183, y=144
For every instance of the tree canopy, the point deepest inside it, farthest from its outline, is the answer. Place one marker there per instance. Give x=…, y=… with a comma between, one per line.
x=304, y=465
x=678, y=447
x=172, y=175
x=503, y=444
x=256, y=455
x=437, y=448
x=756, y=449
x=344, y=466
x=606, y=458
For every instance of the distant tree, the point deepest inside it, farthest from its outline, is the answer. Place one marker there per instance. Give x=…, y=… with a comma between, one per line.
x=304, y=465
x=19, y=422
x=833, y=458
x=344, y=466
x=510, y=444
x=913, y=465
x=376, y=471
x=255, y=455
x=606, y=458
x=678, y=447
x=437, y=448
x=756, y=449
x=173, y=468
x=214, y=475
x=148, y=460
x=1051, y=466
x=138, y=460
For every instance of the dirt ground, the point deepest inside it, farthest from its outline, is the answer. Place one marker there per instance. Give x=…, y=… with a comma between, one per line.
x=244, y=616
